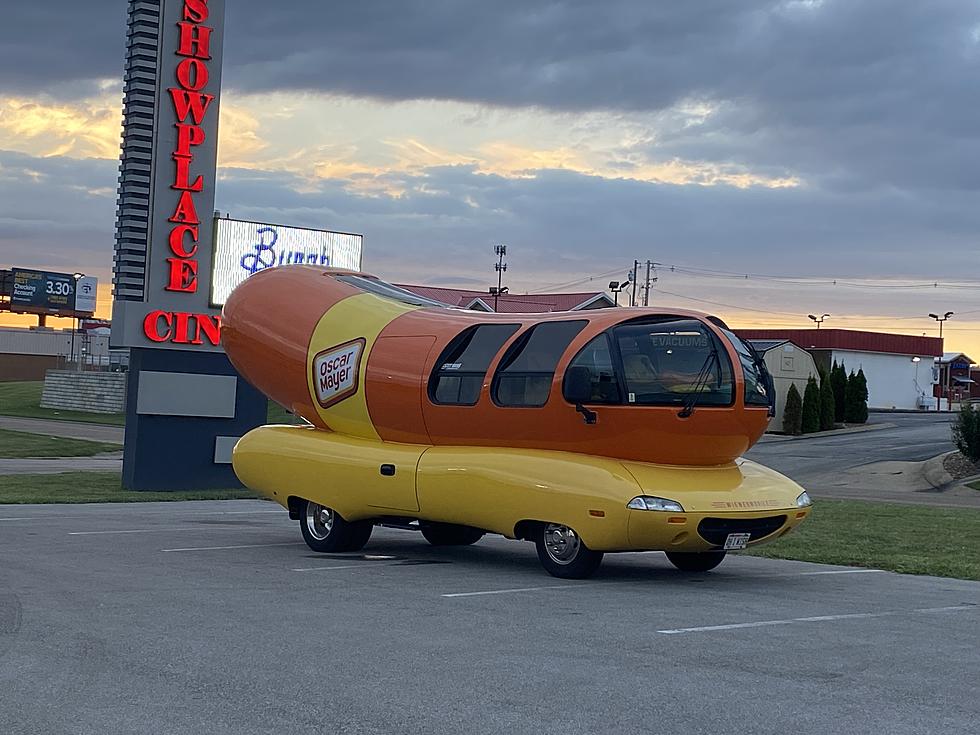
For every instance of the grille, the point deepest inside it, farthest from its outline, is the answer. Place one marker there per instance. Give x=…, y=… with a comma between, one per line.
x=714, y=530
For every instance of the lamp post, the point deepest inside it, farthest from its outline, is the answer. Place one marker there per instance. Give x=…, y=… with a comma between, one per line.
x=949, y=367
x=617, y=287
x=819, y=320
x=500, y=266
x=74, y=317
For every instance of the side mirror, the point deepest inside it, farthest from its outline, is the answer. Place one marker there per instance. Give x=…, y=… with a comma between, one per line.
x=578, y=390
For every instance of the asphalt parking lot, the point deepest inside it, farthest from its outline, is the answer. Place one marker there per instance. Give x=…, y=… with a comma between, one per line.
x=214, y=617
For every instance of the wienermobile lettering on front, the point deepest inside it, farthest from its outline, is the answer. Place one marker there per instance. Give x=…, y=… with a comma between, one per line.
x=586, y=432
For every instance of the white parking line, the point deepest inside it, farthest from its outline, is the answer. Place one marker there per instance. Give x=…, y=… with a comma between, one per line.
x=157, y=530
x=345, y=566
x=817, y=619
x=841, y=571
x=518, y=589
x=240, y=546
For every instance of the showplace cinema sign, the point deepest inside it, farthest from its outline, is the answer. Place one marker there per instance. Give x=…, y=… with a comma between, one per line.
x=165, y=209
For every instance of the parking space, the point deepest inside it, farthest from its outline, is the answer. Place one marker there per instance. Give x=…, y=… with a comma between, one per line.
x=215, y=617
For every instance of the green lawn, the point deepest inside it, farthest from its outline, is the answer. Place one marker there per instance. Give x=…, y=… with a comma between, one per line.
x=94, y=487
x=20, y=444
x=912, y=539
x=975, y=484
x=24, y=399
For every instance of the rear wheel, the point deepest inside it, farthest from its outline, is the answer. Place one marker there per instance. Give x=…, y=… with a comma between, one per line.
x=325, y=531
x=696, y=561
x=563, y=554
x=450, y=534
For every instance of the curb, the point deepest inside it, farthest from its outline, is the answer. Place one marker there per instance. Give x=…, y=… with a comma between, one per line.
x=935, y=473
x=831, y=432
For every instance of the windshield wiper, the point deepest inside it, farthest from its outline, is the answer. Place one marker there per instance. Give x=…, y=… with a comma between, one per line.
x=701, y=383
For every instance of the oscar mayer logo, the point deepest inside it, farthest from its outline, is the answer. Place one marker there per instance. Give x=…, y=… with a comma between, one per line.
x=335, y=372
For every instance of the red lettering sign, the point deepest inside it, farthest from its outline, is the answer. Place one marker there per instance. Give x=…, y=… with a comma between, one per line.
x=190, y=103
x=181, y=327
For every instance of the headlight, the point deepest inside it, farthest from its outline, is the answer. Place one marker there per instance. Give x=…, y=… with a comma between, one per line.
x=803, y=501
x=649, y=502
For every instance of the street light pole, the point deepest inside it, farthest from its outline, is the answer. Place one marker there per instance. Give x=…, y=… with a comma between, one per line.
x=819, y=320
x=949, y=366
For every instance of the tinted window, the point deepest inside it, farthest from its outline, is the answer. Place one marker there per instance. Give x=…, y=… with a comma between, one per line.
x=525, y=374
x=381, y=288
x=667, y=361
x=458, y=375
x=757, y=379
x=596, y=357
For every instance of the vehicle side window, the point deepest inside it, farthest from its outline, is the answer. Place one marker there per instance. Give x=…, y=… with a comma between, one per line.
x=526, y=371
x=459, y=372
x=596, y=357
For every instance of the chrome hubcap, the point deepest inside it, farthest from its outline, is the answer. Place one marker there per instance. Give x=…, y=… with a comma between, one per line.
x=561, y=543
x=319, y=521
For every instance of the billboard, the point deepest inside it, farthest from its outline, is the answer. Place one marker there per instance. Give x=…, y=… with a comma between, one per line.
x=85, y=292
x=242, y=248
x=41, y=292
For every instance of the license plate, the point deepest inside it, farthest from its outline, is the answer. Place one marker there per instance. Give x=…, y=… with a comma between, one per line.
x=736, y=541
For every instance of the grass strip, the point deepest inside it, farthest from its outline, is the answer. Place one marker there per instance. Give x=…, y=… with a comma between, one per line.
x=22, y=444
x=95, y=487
x=911, y=539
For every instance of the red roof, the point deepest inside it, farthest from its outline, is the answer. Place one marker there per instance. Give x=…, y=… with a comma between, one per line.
x=851, y=339
x=508, y=303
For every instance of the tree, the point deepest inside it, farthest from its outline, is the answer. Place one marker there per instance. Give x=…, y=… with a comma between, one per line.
x=811, y=407
x=966, y=432
x=838, y=381
x=793, y=413
x=827, y=407
x=856, y=398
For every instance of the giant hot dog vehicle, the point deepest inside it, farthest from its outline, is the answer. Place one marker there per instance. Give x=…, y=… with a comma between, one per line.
x=585, y=431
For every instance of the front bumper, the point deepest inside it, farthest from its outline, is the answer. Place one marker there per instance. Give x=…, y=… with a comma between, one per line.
x=659, y=531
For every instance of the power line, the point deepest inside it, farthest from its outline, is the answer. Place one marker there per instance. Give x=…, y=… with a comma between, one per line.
x=870, y=283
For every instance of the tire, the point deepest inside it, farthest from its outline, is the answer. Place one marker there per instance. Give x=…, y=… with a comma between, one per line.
x=696, y=561
x=325, y=531
x=449, y=534
x=563, y=554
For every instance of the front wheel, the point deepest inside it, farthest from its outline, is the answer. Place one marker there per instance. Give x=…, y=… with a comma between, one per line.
x=696, y=561
x=449, y=534
x=325, y=531
x=563, y=554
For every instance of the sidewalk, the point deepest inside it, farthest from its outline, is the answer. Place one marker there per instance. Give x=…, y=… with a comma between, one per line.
x=832, y=432
x=66, y=429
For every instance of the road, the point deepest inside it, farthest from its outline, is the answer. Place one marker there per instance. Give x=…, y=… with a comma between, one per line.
x=214, y=617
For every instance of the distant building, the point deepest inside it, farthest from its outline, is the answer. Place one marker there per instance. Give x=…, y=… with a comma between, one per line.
x=512, y=303
x=788, y=364
x=27, y=354
x=956, y=378
x=899, y=367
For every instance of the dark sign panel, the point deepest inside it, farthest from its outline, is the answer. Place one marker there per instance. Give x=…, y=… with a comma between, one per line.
x=41, y=292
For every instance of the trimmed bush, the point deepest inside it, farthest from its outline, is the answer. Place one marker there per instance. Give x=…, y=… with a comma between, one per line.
x=793, y=413
x=838, y=381
x=827, y=406
x=966, y=432
x=856, y=398
x=811, y=407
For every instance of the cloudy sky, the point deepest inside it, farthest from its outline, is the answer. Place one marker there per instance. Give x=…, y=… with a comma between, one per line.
x=784, y=156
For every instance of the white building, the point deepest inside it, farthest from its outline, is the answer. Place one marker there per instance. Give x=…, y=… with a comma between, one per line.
x=898, y=367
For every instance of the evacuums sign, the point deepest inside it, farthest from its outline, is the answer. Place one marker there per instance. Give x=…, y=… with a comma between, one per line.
x=166, y=201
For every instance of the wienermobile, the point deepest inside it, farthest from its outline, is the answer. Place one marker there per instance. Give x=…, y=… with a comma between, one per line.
x=585, y=432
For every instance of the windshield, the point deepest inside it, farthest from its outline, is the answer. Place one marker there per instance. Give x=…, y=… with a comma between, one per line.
x=758, y=381
x=669, y=361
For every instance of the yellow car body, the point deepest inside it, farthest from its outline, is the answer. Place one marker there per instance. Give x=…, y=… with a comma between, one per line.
x=501, y=490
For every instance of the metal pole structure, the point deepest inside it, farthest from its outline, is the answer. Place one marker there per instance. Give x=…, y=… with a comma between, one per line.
x=646, y=287
x=949, y=365
x=500, y=266
x=74, y=321
x=636, y=268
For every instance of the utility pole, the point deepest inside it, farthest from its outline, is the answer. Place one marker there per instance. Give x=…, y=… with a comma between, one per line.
x=500, y=266
x=646, y=285
x=633, y=277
